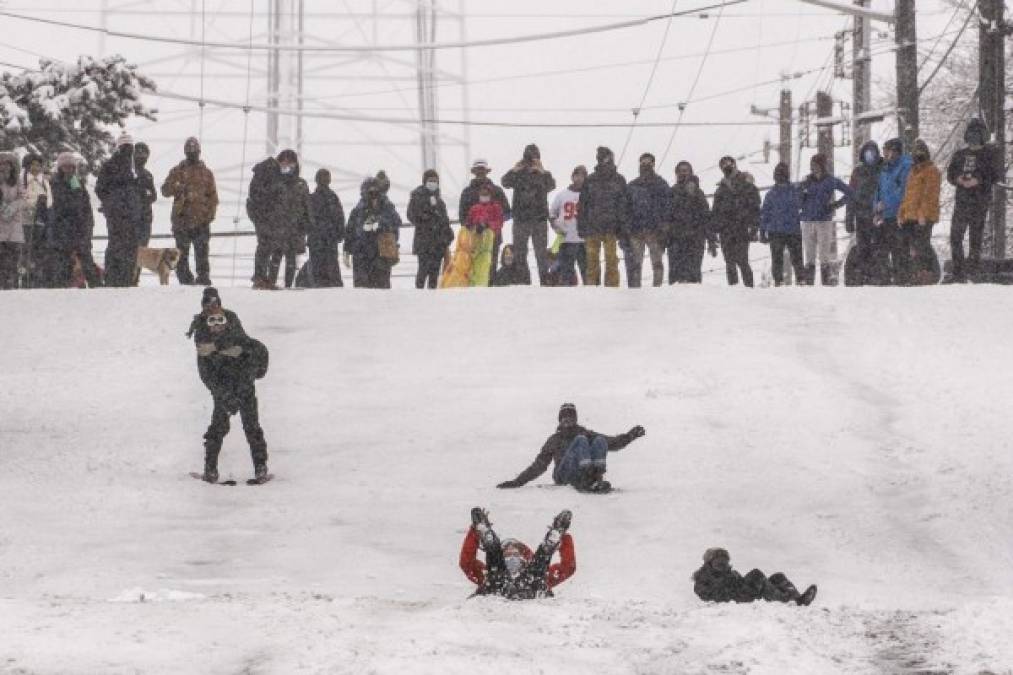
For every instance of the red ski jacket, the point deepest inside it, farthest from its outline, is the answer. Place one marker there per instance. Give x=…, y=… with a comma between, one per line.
x=489, y=213
x=559, y=572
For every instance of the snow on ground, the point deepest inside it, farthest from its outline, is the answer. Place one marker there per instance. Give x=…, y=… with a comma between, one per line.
x=855, y=438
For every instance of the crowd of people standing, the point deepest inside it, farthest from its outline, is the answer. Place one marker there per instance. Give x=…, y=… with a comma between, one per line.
x=892, y=202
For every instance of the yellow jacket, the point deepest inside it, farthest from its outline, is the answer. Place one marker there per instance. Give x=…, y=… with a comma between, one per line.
x=921, y=196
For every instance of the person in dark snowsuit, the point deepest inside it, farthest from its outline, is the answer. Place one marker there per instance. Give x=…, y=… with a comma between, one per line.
x=716, y=581
x=428, y=213
x=119, y=191
x=973, y=171
x=736, y=219
x=509, y=273
x=326, y=231
x=229, y=363
x=149, y=195
x=531, y=184
x=650, y=222
x=71, y=227
x=279, y=206
x=691, y=228
x=780, y=226
x=372, y=218
x=869, y=263
x=578, y=455
x=511, y=570
x=603, y=217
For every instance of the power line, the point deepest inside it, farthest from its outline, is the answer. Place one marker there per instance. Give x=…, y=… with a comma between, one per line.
x=372, y=48
x=949, y=51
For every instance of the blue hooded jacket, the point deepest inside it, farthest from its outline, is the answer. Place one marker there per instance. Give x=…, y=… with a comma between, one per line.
x=781, y=206
x=817, y=196
x=892, y=183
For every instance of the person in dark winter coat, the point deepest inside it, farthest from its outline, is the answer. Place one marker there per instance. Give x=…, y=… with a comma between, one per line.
x=71, y=226
x=119, y=191
x=470, y=197
x=531, y=184
x=578, y=455
x=691, y=228
x=13, y=208
x=603, y=216
x=325, y=233
x=779, y=224
x=146, y=184
x=373, y=221
x=650, y=222
x=509, y=273
x=716, y=581
x=191, y=186
x=511, y=570
x=736, y=219
x=817, y=214
x=872, y=251
x=433, y=235
x=973, y=171
x=229, y=363
x=279, y=206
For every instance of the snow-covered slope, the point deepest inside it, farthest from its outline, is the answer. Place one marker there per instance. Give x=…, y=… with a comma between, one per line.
x=857, y=439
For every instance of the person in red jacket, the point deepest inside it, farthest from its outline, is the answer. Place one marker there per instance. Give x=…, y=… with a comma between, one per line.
x=511, y=570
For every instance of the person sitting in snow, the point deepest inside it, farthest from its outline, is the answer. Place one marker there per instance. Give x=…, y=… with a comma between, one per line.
x=509, y=273
x=578, y=455
x=229, y=363
x=511, y=570
x=716, y=581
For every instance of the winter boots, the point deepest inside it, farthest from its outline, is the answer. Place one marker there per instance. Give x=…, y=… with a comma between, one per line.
x=560, y=524
x=210, y=471
x=260, y=472
x=806, y=598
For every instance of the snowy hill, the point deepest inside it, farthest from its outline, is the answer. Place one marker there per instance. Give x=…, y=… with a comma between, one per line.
x=858, y=439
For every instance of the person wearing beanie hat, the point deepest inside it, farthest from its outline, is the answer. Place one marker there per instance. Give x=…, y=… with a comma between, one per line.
x=146, y=185
x=191, y=186
x=327, y=232
x=868, y=259
x=919, y=212
x=973, y=171
x=531, y=185
x=469, y=197
x=371, y=238
x=118, y=189
x=716, y=581
x=819, y=232
x=736, y=219
x=893, y=177
x=229, y=363
x=651, y=219
x=578, y=455
x=563, y=219
x=427, y=212
x=691, y=231
x=779, y=224
x=603, y=216
x=71, y=225
x=124, y=139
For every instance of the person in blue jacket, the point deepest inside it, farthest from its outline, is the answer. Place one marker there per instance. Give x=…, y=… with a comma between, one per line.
x=893, y=177
x=819, y=231
x=780, y=225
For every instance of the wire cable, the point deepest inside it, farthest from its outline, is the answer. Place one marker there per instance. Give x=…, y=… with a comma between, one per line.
x=949, y=51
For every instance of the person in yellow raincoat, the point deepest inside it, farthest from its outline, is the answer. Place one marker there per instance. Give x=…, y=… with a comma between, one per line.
x=472, y=261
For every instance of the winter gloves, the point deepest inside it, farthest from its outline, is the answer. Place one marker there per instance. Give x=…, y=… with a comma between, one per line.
x=507, y=484
x=636, y=432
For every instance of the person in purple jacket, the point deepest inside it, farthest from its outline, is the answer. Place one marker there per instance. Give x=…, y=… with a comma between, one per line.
x=817, y=193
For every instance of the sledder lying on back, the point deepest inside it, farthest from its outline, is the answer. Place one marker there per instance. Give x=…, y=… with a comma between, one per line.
x=716, y=581
x=511, y=570
x=578, y=454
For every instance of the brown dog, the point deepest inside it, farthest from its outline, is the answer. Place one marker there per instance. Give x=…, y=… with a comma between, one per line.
x=161, y=261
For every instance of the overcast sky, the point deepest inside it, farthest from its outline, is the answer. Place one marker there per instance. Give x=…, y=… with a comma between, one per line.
x=591, y=78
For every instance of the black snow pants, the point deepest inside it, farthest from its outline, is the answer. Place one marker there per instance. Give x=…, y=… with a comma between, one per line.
x=529, y=584
x=219, y=427
x=736, y=253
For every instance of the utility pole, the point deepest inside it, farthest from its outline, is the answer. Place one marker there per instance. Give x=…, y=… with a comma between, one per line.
x=825, y=132
x=425, y=69
x=992, y=99
x=906, y=36
x=861, y=82
x=784, y=121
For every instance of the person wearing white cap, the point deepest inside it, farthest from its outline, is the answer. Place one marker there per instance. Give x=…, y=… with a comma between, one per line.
x=470, y=197
x=119, y=191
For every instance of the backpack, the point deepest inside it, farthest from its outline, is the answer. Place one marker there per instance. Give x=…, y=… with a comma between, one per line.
x=257, y=358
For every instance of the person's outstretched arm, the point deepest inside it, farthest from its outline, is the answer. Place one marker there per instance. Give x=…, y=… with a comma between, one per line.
x=537, y=467
x=567, y=565
x=622, y=440
x=472, y=567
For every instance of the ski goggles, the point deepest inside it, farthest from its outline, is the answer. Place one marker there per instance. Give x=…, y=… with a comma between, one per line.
x=216, y=320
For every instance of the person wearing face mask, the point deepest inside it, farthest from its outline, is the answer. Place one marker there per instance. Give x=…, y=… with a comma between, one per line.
x=229, y=363
x=191, y=186
x=736, y=219
x=119, y=191
x=973, y=171
x=327, y=231
x=371, y=237
x=469, y=197
x=427, y=212
x=148, y=194
x=577, y=454
x=919, y=212
x=279, y=206
x=485, y=219
x=71, y=228
x=563, y=219
x=511, y=570
x=817, y=213
x=716, y=581
x=531, y=184
x=893, y=177
x=509, y=272
x=650, y=210
x=603, y=216
x=691, y=228
x=779, y=224
x=868, y=262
